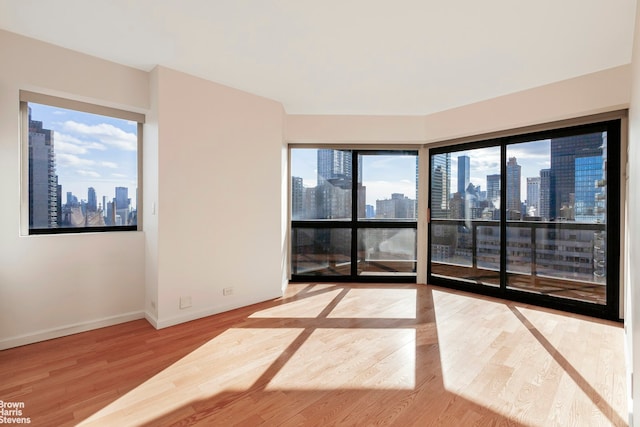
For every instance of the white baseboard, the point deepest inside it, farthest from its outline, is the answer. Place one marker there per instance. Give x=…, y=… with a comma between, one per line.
x=151, y=319
x=62, y=331
x=199, y=314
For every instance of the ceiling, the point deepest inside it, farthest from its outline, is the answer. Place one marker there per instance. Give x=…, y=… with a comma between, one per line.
x=346, y=56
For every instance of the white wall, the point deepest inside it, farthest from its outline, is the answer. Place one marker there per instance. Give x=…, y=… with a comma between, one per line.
x=57, y=284
x=219, y=197
x=632, y=252
x=599, y=92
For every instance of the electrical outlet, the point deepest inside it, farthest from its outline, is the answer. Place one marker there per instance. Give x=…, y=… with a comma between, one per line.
x=227, y=291
x=185, y=302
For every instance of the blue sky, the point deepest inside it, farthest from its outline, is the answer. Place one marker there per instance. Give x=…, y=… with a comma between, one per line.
x=91, y=151
x=531, y=156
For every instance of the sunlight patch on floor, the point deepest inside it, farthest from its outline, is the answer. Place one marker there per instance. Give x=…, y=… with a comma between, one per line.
x=234, y=360
x=360, y=359
x=521, y=369
x=310, y=306
x=388, y=304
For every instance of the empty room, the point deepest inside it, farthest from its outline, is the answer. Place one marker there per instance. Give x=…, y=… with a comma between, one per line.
x=305, y=213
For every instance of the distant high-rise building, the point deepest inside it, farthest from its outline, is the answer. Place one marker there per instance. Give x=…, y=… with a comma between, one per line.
x=533, y=196
x=370, y=211
x=122, y=198
x=439, y=199
x=493, y=190
x=92, y=200
x=588, y=171
x=122, y=204
x=43, y=181
x=564, y=152
x=297, y=198
x=334, y=166
x=545, y=194
x=440, y=185
x=513, y=186
x=333, y=195
x=399, y=206
x=463, y=174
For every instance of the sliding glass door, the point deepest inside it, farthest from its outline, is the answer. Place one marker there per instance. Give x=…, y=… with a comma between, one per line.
x=353, y=214
x=465, y=214
x=527, y=217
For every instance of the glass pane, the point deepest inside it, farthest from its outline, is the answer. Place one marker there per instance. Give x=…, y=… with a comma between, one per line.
x=488, y=253
x=387, y=186
x=321, y=251
x=556, y=202
x=387, y=251
x=465, y=210
x=320, y=184
x=83, y=169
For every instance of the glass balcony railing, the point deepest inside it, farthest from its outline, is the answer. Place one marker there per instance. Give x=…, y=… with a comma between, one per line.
x=561, y=259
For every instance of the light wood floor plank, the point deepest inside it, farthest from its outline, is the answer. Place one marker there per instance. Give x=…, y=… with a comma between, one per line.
x=333, y=354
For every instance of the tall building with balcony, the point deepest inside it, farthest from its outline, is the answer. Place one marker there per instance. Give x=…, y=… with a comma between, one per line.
x=440, y=185
x=297, y=198
x=43, y=181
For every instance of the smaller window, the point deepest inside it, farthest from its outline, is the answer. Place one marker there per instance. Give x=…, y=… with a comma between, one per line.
x=82, y=166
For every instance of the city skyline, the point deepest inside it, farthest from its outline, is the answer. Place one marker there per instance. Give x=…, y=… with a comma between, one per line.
x=376, y=173
x=91, y=151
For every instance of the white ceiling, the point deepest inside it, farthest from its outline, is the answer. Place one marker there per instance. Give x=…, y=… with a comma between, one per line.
x=346, y=56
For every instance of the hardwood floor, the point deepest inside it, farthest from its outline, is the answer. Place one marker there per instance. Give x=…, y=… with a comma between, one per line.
x=330, y=354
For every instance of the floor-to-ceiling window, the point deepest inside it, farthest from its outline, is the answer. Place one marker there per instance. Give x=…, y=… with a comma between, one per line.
x=533, y=217
x=353, y=214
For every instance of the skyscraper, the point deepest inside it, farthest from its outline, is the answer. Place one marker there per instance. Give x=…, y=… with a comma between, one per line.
x=334, y=166
x=43, y=181
x=493, y=190
x=588, y=170
x=122, y=204
x=513, y=187
x=440, y=185
x=545, y=193
x=564, y=152
x=463, y=174
x=333, y=194
x=297, y=198
x=533, y=196
x=92, y=200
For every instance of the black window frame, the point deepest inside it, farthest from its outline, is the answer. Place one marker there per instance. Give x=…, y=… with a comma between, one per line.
x=354, y=224
x=610, y=310
x=27, y=97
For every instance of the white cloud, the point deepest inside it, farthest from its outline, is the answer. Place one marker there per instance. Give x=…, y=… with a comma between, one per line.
x=110, y=165
x=105, y=133
x=91, y=174
x=65, y=147
x=66, y=159
x=65, y=143
x=118, y=175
